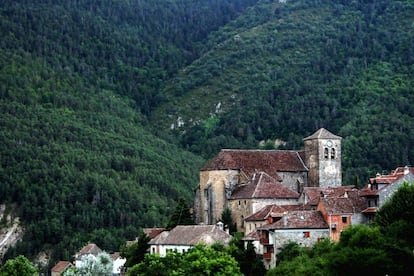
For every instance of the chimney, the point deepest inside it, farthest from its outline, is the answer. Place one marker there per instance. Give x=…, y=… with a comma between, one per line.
x=406, y=170
x=284, y=219
x=220, y=225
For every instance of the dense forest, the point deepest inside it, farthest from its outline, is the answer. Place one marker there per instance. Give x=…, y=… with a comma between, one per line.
x=90, y=90
x=283, y=70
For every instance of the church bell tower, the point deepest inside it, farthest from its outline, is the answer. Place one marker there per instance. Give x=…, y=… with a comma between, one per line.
x=323, y=159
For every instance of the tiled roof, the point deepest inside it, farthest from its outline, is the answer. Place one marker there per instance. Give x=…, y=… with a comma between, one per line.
x=263, y=185
x=299, y=220
x=251, y=161
x=275, y=211
x=322, y=133
x=153, y=232
x=395, y=175
x=350, y=203
x=90, y=248
x=191, y=235
x=253, y=236
x=61, y=266
x=313, y=194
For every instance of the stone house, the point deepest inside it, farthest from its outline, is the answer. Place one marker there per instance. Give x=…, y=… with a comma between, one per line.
x=225, y=178
x=343, y=210
x=183, y=237
x=304, y=227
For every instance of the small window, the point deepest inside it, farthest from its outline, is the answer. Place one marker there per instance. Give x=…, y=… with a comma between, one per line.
x=306, y=234
x=326, y=153
x=239, y=202
x=333, y=154
x=344, y=219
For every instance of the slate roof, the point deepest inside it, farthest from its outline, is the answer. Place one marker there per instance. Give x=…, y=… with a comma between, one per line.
x=192, y=235
x=252, y=161
x=275, y=211
x=263, y=185
x=322, y=133
x=61, y=266
x=351, y=203
x=298, y=220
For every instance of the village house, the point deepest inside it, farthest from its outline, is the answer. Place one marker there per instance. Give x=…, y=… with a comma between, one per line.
x=183, y=237
x=305, y=227
x=342, y=211
x=381, y=187
x=94, y=250
x=60, y=268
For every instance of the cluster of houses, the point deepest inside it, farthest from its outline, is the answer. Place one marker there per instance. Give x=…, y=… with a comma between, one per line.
x=278, y=196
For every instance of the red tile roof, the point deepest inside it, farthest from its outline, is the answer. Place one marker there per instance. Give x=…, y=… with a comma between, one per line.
x=153, y=232
x=253, y=236
x=263, y=185
x=61, y=266
x=191, y=235
x=313, y=194
x=299, y=220
x=252, y=161
x=90, y=248
x=395, y=175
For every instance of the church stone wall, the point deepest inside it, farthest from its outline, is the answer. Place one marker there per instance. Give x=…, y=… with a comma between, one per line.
x=215, y=190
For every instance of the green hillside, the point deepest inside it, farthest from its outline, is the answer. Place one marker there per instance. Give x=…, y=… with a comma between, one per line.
x=283, y=70
x=77, y=79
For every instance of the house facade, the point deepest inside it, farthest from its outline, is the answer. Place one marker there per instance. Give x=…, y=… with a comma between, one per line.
x=183, y=237
x=304, y=227
x=342, y=211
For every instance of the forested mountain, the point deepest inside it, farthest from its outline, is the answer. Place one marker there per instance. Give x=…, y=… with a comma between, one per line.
x=89, y=91
x=77, y=79
x=286, y=68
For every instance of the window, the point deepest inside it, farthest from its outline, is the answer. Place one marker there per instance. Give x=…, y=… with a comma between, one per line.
x=333, y=154
x=306, y=234
x=325, y=153
x=344, y=219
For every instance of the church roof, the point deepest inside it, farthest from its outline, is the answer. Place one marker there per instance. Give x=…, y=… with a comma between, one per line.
x=252, y=161
x=263, y=185
x=192, y=235
x=322, y=133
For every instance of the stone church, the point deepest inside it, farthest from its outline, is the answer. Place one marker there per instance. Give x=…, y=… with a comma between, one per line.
x=247, y=180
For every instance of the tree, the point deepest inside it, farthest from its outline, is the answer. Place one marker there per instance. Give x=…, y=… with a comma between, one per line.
x=19, y=266
x=396, y=216
x=180, y=216
x=227, y=219
x=200, y=260
x=90, y=266
x=135, y=252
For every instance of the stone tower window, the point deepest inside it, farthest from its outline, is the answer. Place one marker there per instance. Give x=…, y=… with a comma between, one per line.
x=333, y=154
x=326, y=153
